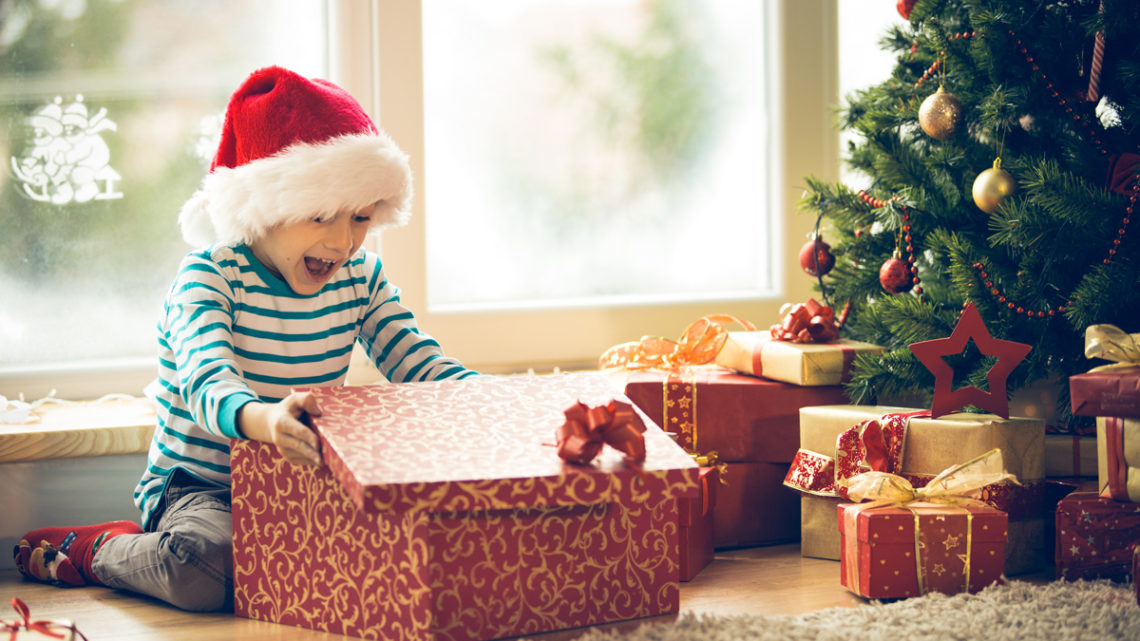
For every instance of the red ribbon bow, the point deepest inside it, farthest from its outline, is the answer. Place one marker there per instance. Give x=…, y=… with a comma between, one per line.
x=588, y=428
x=808, y=322
x=46, y=628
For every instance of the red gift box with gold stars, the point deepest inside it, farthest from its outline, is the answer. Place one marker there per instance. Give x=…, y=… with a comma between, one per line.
x=903, y=551
x=1095, y=537
x=444, y=512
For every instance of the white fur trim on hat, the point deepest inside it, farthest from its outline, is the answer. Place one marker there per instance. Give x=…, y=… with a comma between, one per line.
x=346, y=173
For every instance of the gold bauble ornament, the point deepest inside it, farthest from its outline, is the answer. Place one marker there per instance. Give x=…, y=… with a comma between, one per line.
x=940, y=114
x=993, y=186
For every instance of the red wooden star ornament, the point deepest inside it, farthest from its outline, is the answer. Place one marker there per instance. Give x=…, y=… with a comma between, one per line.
x=970, y=326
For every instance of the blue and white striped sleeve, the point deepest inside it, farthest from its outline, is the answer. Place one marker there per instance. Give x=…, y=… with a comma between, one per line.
x=198, y=330
x=393, y=340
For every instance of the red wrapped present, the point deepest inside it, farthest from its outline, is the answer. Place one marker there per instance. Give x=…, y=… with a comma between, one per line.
x=1095, y=537
x=696, y=519
x=958, y=549
x=1108, y=390
x=713, y=409
x=754, y=508
x=1136, y=570
x=445, y=512
x=908, y=542
x=1118, y=457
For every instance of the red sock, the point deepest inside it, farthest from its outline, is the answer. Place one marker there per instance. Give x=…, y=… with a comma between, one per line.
x=64, y=554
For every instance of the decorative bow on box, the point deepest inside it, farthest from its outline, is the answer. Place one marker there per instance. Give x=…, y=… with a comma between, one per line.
x=872, y=445
x=809, y=322
x=587, y=429
x=1112, y=344
x=698, y=345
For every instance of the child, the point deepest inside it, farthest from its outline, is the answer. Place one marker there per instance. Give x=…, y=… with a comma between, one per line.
x=276, y=302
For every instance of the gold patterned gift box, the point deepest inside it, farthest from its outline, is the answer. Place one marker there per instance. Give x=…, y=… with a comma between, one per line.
x=444, y=512
x=811, y=364
x=930, y=446
x=1118, y=458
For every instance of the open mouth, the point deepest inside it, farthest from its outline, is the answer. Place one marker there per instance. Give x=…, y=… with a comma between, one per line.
x=319, y=268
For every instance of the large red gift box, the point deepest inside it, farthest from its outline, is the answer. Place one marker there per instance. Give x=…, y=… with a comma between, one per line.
x=444, y=512
x=696, y=522
x=751, y=424
x=754, y=508
x=893, y=552
x=1095, y=537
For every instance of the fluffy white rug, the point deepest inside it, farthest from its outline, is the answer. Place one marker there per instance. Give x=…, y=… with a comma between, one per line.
x=1016, y=611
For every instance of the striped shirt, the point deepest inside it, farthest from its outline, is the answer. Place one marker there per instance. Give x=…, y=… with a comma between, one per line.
x=232, y=332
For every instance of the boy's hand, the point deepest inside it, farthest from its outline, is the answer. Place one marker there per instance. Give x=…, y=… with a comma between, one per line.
x=282, y=424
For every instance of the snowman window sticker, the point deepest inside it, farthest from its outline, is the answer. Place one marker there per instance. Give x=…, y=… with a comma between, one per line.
x=67, y=160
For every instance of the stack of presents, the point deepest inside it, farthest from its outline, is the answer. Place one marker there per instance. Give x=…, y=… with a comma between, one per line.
x=513, y=505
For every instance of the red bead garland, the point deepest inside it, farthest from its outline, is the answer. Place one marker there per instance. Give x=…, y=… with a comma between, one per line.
x=910, y=260
x=1123, y=229
x=938, y=63
x=1086, y=123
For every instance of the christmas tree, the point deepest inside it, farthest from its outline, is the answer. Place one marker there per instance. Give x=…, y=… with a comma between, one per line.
x=1002, y=157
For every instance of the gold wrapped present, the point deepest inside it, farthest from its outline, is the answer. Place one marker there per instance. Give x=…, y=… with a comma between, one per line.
x=758, y=354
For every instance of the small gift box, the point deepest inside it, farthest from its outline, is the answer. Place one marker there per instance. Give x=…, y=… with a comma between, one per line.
x=1095, y=537
x=696, y=519
x=758, y=354
x=1118, y=457
x=908, y=542
x=893, y=552
x=444, y=511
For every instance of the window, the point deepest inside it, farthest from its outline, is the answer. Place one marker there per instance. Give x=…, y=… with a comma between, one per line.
x=111, y=110
x=615, y=228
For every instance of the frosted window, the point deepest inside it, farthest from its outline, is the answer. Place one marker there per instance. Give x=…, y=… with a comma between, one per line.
x=611, y=151
x=108, y=116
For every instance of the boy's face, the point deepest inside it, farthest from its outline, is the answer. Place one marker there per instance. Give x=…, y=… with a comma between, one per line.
x=306, y=254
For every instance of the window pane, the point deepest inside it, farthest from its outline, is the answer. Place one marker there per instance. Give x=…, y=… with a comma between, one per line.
x=110, y=112
x=603, y=152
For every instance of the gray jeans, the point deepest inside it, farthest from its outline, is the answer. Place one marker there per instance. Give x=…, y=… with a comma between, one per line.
x=187, y=560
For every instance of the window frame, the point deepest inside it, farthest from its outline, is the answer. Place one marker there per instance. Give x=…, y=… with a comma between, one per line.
x=375, y=52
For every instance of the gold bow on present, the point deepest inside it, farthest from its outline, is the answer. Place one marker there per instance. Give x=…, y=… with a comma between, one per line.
x=701, y=341
x=1112, y=344
x=955, y=484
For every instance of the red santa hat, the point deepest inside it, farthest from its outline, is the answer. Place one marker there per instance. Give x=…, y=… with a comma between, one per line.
x=293, y=148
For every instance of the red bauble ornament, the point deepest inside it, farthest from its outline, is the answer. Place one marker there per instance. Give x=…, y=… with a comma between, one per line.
x=816, y=258
x=895, y=276
x=904, y=7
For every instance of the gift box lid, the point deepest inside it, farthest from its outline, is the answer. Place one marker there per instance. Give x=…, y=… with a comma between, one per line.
x=479, y=443
x=896, y=524
x=758, y=353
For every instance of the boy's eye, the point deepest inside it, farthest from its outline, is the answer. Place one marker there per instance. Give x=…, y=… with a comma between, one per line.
x=362, y=219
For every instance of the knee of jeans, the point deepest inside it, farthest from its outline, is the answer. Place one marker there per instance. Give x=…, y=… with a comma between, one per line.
x=201, y=575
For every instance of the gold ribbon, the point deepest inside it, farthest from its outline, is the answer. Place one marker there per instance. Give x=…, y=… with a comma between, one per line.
x=701, y=341
x=954, y=486
x=1112, y=344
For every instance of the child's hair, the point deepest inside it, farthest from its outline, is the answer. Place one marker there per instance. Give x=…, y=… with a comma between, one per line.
x=293, y=148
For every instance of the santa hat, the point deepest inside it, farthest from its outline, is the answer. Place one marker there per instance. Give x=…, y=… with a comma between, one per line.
x=293, y=148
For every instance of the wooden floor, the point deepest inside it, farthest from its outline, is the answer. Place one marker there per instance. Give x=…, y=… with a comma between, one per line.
x=766, y=580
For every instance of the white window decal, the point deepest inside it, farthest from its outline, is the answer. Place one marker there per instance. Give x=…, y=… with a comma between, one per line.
x=68, y=160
